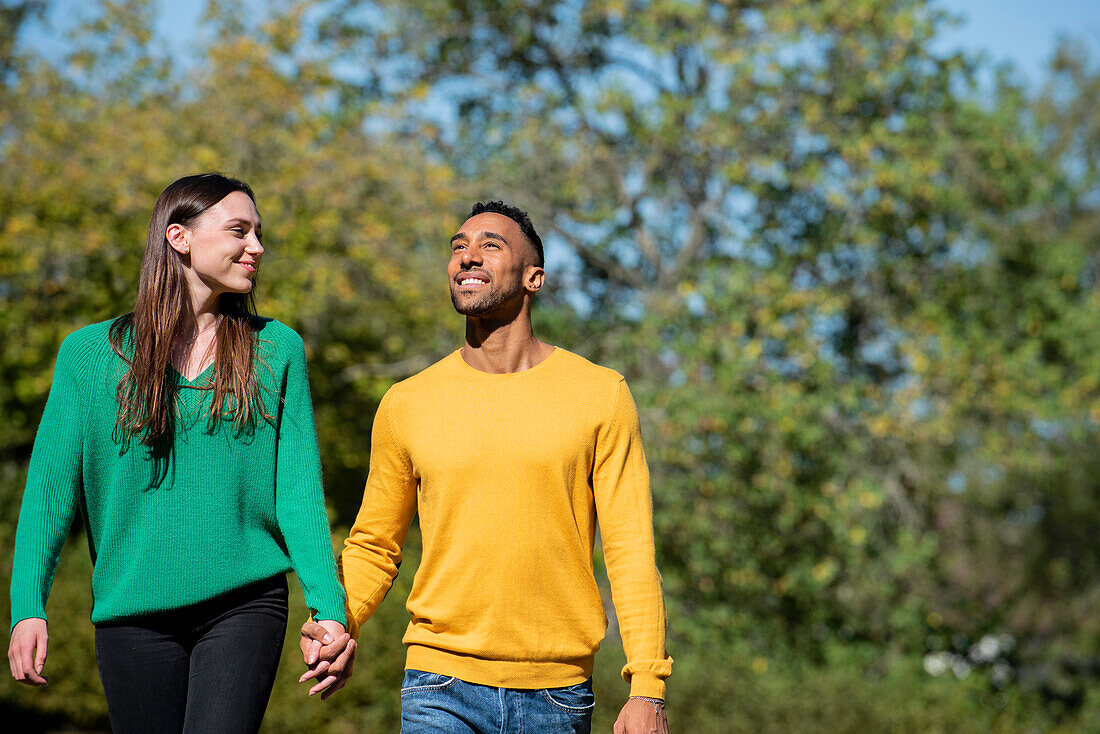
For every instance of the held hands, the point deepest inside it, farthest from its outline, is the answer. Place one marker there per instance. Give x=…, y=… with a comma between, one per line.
x=329, y=653
x=27, y=651
x=642, y=716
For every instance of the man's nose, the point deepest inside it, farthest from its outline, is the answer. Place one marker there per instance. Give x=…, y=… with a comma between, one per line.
x=471, y=256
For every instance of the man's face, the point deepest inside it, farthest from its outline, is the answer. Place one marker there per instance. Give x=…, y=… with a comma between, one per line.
x=490, y=257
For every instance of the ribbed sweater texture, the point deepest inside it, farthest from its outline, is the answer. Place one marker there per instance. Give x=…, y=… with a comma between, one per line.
x=509, y=473
x=221, y=509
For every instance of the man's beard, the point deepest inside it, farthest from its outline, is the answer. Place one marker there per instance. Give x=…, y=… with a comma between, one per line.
x=482, y=304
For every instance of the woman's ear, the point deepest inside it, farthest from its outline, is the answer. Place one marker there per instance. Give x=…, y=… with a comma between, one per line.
x=178, y=238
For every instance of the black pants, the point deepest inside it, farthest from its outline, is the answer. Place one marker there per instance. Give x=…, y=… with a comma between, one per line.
x=204, y=668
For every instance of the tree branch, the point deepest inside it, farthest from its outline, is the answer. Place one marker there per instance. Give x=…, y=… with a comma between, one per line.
x=604, y=264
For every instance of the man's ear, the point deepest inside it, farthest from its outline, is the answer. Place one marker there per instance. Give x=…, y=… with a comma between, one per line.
x=533, y=278
x=178, y=238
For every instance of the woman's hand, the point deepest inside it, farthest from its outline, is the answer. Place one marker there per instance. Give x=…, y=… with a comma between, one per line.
x=27, y=651
x=329, y=652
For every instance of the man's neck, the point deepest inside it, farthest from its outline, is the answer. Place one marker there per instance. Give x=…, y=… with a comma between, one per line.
x=501, y=348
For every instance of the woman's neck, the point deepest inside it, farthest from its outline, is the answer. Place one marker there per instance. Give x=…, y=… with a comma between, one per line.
x=192, y=354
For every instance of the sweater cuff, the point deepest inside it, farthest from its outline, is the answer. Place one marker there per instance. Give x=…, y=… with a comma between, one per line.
x=330, y=607
x=320, y=616
x=648, y=685
x=16, y=618
x=352, y=624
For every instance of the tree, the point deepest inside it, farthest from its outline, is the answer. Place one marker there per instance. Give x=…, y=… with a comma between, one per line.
x=853, y=291
x=355, y=224
x=841, y=285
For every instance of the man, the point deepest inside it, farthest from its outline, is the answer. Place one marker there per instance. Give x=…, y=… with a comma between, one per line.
x=509, y=449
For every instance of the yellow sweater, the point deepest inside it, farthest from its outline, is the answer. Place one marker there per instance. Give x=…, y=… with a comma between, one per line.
x=509, y=473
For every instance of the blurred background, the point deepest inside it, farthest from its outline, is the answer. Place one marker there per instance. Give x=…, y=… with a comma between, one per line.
x=846, y=252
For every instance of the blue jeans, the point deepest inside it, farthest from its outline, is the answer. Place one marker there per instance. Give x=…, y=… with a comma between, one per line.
x=439, y=704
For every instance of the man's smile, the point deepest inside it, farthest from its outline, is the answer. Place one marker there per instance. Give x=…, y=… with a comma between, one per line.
x=471, y=280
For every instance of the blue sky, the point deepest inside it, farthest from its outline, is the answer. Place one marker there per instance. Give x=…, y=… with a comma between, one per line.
x=1023, y=32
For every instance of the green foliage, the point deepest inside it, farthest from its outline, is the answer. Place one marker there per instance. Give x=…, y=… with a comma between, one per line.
x=854, y=294
x=351, y=240
x=783, y=695
x=856, y=305
x=74, y=695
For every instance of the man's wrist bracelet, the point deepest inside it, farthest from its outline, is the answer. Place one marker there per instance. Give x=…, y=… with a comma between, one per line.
x=657, y=703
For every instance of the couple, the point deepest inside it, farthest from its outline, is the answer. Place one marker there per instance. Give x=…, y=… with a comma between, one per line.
x=183, y=433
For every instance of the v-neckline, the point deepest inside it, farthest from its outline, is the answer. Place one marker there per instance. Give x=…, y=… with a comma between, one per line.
x=197, y=378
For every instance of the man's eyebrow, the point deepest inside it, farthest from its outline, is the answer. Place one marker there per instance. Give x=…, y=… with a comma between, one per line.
x=489, y=235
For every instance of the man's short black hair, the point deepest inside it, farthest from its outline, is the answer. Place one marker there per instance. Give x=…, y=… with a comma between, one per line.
x=518, y=216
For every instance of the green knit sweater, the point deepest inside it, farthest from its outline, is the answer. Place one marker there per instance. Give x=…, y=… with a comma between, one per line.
x=220, y=510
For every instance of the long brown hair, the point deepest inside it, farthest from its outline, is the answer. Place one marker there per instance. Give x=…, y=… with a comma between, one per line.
x=146, y=337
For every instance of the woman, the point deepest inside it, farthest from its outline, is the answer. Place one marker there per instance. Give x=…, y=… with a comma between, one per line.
x=183, y=432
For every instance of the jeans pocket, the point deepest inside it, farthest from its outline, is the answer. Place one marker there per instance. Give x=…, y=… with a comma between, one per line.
x=419, y=680
x=575, y=699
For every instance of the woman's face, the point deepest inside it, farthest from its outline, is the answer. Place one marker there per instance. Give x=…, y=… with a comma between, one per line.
x=223, y=245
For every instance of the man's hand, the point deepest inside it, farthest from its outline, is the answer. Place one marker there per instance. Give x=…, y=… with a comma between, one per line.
x=329, y=652
x=27, y=651
x=642, y=716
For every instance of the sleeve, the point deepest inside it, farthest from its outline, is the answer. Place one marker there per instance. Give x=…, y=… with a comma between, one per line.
x=372, y=552
x=299, y=495
x=620, y=484
x=53, y=490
